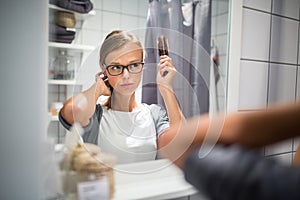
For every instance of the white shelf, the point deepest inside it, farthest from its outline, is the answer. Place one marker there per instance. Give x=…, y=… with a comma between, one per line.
x=78, y=16
x=63, y=82
x=71, y=47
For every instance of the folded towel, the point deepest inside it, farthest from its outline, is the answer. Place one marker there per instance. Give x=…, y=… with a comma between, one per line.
x=81, y=6
x=60, y=30
x=61, y=38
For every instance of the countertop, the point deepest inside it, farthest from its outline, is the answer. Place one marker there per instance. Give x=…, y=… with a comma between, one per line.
x=158, y=179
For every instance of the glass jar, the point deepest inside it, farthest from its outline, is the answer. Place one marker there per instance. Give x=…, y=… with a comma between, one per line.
x=64, y=66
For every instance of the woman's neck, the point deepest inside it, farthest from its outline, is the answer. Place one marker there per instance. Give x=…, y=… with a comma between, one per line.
x=123, y=103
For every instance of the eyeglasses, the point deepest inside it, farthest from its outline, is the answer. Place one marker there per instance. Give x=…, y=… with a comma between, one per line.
x=115, y=70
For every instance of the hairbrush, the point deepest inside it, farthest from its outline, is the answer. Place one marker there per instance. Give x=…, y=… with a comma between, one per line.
x=163, y=48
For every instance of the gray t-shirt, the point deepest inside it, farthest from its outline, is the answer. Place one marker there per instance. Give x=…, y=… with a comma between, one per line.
x=91, y=131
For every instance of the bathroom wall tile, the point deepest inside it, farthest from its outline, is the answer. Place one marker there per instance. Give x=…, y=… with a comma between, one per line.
x=142, y=23
x=264, y=5
x=284, y=40
x=111, y=21
x=219, y=7
x=53, y=89
x=97, y=4
x=287, y=8
x=112, y=5
x=278, y=148
x=129, y=22
x=221, y=103
x=298, y=84
x=214, y=8
x=223, y=66
x=94, y=22
x=221, y=44
x=143, y=8
x=285, y=159
x=222, y=24
x=222, y=7
x=140, y=33
x=255, y=35
x=296, y=143
x=91, y=37
x=130, y=7
x=61, y=88
x=253, y=85
x=221, y=88
x=214, y=26
x=282, y=83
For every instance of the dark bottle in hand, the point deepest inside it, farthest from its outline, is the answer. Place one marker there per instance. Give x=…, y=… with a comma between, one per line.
x=163, y=48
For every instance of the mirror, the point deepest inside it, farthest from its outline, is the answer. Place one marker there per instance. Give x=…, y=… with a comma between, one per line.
x=117, y=14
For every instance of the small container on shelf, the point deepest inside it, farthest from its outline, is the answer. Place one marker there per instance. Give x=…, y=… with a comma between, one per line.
x=64, y=66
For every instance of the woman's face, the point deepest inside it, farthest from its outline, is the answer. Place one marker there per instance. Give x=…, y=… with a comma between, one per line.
x=125, y=83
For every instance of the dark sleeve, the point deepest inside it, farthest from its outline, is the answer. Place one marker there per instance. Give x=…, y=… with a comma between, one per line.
x=91, y=131
x=232, y=173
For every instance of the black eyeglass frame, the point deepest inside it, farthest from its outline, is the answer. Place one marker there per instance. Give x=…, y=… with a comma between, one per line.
x=124, y=67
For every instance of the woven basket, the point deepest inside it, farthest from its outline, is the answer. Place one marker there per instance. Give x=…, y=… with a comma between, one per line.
x=65, y=19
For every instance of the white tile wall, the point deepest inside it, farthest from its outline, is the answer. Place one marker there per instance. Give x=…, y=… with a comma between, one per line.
x=264, y=5
x=222, y=7
x=111, y=5
x=143, y=8
x=255, y=35
x=219, y=32
x=285, y=159
x=223, y=65
x=222, y=24
x=111, y=21
x=282, y=83
x=284, y=52
x=128, y=22
x=296, y=143
x=97, y=4
x=281, y=147
x=221, y=89
x=287, y=8
x=94, y=22
x=283, y=40
x=253, y=85
x=130, y=7
x=91, y=37
x=298, y=83
x=221, y=42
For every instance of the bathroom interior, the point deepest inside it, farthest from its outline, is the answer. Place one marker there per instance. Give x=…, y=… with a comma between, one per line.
x=256, y=64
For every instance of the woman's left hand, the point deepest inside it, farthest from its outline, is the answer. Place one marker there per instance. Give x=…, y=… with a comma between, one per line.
x=166, y=72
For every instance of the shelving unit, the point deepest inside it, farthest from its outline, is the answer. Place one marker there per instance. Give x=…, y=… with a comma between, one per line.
x=61, y=90
x=71, y=47
x=63, y=82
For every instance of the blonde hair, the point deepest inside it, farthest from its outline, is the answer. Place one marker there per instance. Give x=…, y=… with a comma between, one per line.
x=113, y=41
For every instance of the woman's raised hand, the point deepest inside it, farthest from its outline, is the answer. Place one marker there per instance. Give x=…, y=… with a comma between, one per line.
x=166, y=72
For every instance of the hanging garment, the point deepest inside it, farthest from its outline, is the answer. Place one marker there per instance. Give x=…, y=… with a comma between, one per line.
x=187, y=28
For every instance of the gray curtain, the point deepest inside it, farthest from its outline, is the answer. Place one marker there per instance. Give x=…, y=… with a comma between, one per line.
x=188, y=28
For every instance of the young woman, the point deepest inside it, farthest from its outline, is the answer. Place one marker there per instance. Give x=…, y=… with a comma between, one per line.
x=121, y=125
